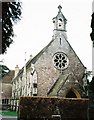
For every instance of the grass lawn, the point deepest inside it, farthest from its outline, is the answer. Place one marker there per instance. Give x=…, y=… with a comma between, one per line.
x=8, y=113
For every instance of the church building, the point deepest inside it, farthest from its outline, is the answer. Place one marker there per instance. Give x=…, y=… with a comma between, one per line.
x=55, y=71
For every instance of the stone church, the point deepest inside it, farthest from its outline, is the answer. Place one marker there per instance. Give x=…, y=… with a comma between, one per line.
x=55, y=71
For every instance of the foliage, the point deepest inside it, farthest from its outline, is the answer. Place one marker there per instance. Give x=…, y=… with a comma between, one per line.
x=3, y=70
x=91, y=86
x=91, y=92
x=92, y=26
x=11, y=12
x=31, y=108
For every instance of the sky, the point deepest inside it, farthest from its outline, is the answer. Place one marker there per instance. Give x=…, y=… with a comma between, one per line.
x=35, y=30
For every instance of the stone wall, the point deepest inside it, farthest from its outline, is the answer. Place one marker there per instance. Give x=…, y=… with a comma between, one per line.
x=48, y=74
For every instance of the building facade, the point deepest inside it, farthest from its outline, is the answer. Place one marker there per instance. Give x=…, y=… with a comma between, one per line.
x=6, y=89
x=55, y=71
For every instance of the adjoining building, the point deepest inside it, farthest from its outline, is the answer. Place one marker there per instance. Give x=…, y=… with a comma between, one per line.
x=55, y=71
x=6, y=90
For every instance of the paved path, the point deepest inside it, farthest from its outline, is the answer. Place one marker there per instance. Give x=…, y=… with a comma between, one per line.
x=7, y=118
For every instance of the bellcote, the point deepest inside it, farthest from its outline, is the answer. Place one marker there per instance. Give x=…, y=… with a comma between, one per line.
x=59, y=21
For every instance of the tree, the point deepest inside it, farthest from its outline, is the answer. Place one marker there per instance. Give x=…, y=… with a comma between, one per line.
x=92, y=26
x=3, y=70
x=91, y=98
x=92, y=84
x=91, y=90
x=11, y=13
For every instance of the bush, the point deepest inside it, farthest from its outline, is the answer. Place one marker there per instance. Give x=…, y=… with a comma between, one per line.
x=32, y=108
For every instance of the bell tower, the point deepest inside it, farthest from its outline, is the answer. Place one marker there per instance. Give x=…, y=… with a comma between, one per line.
x=59, y=21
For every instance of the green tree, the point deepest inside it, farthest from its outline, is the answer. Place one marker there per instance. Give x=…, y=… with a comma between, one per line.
x=91, y=98
x=11, y=13
x=92, y=26
x=91, y=91
x=92, y=85
x=3, y=70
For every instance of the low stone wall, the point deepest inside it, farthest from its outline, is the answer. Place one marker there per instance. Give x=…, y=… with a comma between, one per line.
x=91, y=113
x=32, y=108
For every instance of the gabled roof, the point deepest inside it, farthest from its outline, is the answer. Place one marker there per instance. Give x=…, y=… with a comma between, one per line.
x=39, y=54
x=33, y=60
x=60, y=14
x=8, y=77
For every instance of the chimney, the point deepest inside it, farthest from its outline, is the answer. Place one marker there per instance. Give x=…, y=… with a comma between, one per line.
x=16, y=70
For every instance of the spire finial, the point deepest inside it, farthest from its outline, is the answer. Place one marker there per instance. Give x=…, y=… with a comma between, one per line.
x=59, y=7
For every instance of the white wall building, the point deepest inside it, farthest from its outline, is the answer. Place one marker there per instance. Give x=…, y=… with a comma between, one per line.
x=24, y=83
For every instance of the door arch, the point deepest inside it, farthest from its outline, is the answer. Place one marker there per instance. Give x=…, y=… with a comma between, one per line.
x=72, y=93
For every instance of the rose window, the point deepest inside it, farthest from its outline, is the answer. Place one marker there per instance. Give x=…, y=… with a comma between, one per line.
x=60, y=61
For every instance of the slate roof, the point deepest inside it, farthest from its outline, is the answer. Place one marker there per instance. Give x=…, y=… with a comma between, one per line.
x=33, y=60
x=8, y=77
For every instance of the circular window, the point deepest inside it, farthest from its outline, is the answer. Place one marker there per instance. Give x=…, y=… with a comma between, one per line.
x=60, y=61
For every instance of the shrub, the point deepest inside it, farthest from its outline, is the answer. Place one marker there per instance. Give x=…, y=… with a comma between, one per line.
x=32, y=108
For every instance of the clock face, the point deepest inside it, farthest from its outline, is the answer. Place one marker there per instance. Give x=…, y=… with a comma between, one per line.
x=60, y=61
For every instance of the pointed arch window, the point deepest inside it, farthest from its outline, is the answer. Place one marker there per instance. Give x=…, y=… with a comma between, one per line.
x=60, y=22
x=60, y=19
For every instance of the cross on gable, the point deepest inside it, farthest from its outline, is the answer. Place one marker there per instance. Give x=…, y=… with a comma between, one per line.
x=59, y=7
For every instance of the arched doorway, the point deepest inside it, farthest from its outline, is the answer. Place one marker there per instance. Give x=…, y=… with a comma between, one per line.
x=72, y=93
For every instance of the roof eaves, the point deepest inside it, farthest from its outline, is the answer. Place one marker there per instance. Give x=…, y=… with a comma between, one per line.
x=39, y=54
x=33, y=60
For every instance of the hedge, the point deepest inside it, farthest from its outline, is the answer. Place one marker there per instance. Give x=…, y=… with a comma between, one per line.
x=31, y=108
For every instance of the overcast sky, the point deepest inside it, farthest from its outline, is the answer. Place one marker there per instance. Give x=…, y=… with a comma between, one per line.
x=35, y=30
